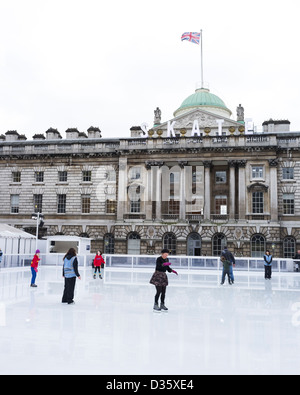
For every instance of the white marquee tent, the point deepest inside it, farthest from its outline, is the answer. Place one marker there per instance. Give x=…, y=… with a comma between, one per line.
x=14, y=241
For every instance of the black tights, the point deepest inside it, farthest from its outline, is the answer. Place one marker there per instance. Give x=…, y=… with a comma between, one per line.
x=160, y=292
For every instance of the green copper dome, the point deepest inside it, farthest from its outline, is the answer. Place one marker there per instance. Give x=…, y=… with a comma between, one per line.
x=203, y=98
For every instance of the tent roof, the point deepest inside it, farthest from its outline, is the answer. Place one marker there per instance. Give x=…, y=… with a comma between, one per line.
x=7, y=231
x=66, y=238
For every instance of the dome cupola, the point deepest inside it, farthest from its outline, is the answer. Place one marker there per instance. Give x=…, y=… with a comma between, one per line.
x=202, y=98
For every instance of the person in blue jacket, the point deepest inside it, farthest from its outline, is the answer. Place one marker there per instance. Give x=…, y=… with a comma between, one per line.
x=268, y=265
x=70, y=272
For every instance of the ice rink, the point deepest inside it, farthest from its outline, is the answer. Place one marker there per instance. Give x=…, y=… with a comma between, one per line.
x=251, y=327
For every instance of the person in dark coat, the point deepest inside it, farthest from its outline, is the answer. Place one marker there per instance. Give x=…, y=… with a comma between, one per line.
x=70, y=272
x=297, y=260
x=229, y=257
x=226, y=270
x=160, y=279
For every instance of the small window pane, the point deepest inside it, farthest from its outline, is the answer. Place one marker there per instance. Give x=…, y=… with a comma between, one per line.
x=257, y=171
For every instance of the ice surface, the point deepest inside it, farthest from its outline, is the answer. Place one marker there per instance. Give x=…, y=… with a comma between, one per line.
x=251, y=327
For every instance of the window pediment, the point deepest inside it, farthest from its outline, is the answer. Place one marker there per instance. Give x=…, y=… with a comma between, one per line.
x=257, y=186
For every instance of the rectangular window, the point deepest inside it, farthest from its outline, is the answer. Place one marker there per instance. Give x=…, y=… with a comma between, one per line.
x=257, y=171
x=288, y=203
x=257, y=202
x=39, y=176
x=135, y=173
x=14, y=204
x=220, y=177
x=135, y=206
x=174, y=206
x=62, y=176
x=221, y=204
x=61, y=203
x=288, y=173
x=111, y=206
x=16, y=176
x=86, y=176
x=86, y=204
x=37, y=203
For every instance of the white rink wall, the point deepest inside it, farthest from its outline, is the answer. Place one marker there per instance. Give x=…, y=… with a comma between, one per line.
x=148, y=261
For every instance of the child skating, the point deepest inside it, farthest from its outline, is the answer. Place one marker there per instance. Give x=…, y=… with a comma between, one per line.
x=268, y=265
x=34, y=267
x=98, y=264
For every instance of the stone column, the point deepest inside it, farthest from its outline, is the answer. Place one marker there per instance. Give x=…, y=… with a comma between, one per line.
x=232, y=166
x=154, y=187
x=273, y=163
x=242, y=188
x=207, y=167
x=147, y=194
x=122, y=188
x=158, y=193
x=182, y=212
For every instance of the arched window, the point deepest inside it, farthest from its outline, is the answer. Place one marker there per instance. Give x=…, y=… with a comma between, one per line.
x=169, y=242
x=218, y=244
x=134, y=244
x=109, y=243
x=289, y=247
x=258, y=246
x=194, y=244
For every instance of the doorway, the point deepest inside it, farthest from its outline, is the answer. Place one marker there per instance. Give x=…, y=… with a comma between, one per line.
x=194, y=244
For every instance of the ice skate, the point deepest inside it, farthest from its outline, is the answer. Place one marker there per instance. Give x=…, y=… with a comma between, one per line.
x=156, y=308
x=100, y=276
x=94, y=276
x=163, y=307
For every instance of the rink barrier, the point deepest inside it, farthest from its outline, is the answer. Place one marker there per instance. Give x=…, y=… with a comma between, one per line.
x=197, y=263
x=148, y=261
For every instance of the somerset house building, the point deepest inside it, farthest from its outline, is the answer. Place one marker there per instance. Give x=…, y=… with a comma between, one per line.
x=191, y=184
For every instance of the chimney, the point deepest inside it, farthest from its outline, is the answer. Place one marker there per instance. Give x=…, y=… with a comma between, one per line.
x=94, y=133
x=11, y=135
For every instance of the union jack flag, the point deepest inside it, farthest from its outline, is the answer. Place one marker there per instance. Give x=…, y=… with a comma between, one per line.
x=191, y=36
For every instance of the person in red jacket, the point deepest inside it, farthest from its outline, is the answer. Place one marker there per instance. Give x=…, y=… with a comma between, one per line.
x=34, y=267
x=98, y=263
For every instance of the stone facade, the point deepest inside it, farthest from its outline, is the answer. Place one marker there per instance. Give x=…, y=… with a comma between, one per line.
x=191, y=189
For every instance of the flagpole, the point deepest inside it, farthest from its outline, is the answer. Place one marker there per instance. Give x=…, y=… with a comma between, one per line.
x=202, y=85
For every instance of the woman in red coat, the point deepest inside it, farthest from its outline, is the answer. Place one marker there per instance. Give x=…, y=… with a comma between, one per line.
x=98, y=263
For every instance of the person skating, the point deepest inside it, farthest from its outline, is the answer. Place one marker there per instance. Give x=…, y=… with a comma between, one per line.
x=160, y=280
x=34, y=267
x=70, y=272
x=98, y=263
x=226, y=270
x=229, y=257
x=268, y=265
x=297, y=261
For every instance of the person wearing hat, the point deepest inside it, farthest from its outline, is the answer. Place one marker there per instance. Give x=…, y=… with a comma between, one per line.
x=34, y=267
x=160, y=280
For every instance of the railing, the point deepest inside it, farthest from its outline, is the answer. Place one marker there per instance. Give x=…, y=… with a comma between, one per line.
x=90, y=145
x=190, y=263
x=22, y=260
x=196, y=263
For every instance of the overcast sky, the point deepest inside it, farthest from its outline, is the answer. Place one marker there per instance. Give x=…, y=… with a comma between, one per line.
x=82, y=63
